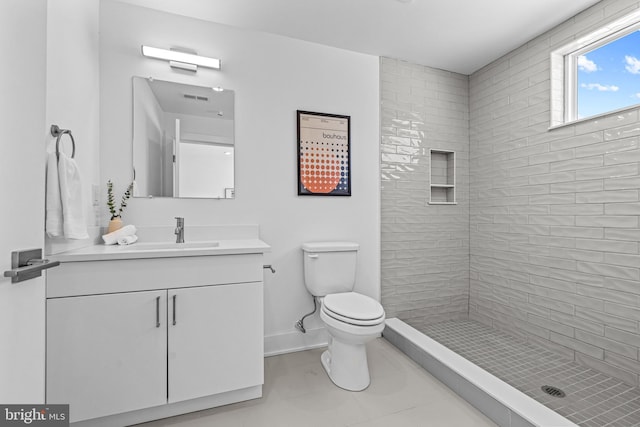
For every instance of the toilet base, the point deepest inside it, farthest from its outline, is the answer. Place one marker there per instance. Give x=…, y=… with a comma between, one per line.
x=346, y=365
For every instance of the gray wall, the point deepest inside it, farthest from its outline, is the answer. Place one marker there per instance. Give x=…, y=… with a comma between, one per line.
x=425, y=248
x=554, y=213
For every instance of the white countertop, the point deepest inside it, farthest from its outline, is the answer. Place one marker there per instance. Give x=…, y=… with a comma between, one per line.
x=140, y=250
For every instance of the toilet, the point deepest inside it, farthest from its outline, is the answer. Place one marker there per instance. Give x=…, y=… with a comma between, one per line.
x=352, y=319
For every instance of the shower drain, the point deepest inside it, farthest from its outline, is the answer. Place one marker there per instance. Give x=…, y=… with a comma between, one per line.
x=553, y=391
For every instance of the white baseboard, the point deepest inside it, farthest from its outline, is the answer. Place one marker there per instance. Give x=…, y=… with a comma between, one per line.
x=173, y=409
x=290, y=342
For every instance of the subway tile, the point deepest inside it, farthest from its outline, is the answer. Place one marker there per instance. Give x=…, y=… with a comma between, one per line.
x=581, y=209
x=607, y=172
x=563, y=242
x=620, y=132
x=606, y=343
x=622, y=209
x=576, y=164
x=576, y=254
x=607, y=245
x=577, y=141
x=605, y=294
x=552, y=199
x=576, y=322
x=622, y=157
x=622, y=183
x=617, y=196
x=622, y=362
x=552, y=178
x=623, y=337
x=632, y=234
x=626, y=311
x=550, y=157
x=548, y=282
x=629, y=286
x=609, y=270
x=551, y=220
x=615, y=221
x=629, y=260
x=606, y=319
x=608, y=147
x=582, y=231
x=567, y=297
x=577, y=345
x=578, y=187
x=607, y=122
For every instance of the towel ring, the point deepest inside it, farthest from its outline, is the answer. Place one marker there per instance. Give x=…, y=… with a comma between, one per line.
x=57, y=132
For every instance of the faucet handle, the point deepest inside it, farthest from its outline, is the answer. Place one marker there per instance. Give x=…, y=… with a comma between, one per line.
x=180, y=220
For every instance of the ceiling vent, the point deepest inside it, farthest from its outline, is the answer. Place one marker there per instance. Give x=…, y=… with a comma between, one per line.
x=196, y=97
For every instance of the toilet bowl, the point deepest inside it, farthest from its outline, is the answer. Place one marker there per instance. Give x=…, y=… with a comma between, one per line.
x=351, y=318
x=345, y=361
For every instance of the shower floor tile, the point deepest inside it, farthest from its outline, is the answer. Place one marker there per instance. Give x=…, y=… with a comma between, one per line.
x=592, y=398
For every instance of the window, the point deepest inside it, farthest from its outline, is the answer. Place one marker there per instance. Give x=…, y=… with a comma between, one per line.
x=598, y=73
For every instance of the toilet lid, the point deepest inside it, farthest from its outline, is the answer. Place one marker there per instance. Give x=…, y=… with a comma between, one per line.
x=354, y=308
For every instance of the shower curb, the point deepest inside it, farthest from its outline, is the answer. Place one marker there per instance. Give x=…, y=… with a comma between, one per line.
x=502, y=403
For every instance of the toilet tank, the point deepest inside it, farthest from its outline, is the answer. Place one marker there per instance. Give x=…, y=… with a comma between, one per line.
x=329, y=267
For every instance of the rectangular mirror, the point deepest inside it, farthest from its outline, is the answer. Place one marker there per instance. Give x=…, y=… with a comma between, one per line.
x=183, y=140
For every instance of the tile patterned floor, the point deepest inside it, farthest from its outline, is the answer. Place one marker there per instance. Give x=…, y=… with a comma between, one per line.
x=592, y=398
x=298, y=393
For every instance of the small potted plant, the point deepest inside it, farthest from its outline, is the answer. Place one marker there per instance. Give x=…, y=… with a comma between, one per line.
x=116, y=214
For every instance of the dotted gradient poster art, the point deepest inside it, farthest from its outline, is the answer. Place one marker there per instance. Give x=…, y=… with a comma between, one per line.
x=323, y=154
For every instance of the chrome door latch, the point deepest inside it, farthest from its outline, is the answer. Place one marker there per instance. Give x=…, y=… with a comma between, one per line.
x=28, y=264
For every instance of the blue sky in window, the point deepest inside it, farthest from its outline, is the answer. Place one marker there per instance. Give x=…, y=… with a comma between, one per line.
x=609, y=76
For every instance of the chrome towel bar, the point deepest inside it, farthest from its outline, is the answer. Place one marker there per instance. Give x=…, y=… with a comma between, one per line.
x=58, y=133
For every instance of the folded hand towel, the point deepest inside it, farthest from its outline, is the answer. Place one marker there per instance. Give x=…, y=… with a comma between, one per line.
x=112, y=238
x=53, y=223
x=74, y=225
x=127, y=240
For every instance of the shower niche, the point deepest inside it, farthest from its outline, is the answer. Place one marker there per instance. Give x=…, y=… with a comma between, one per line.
x=442, y=174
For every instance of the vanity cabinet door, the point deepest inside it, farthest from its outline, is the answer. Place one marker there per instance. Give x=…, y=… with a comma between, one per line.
x=107, y=354
x=216, y=343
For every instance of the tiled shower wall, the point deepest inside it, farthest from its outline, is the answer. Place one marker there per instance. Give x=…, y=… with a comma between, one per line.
x=425, y=248
x=554, y=213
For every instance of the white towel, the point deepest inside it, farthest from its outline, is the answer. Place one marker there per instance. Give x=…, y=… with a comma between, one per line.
x=127, y=240
x=73, y=222
x=64, y=209
x=53, y=223
x=112, y=238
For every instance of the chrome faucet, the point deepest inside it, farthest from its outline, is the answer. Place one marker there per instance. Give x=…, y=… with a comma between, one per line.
x=179, y=229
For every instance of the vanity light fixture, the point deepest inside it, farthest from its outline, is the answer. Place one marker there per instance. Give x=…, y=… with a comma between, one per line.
x=183, y=60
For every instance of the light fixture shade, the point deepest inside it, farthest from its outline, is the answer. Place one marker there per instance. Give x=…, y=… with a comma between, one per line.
x=180, y=57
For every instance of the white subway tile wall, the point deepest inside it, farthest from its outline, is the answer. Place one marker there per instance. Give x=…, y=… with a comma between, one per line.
x=554, y=217
x=425, y=248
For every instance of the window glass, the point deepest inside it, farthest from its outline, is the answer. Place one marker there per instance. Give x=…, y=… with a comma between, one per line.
x=608, y=77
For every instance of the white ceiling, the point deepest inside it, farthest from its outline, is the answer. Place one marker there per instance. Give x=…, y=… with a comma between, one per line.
x=179, y=98
x=455, y=35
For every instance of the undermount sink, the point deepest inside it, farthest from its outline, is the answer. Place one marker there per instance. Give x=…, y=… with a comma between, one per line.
x=173, y=245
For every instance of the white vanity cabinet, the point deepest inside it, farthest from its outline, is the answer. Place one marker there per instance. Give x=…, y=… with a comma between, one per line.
x=105, y=354
x=151, y=338
x=214, y=335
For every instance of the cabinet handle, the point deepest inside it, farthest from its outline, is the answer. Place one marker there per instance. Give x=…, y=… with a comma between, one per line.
x=174, y=309
x=157, y=312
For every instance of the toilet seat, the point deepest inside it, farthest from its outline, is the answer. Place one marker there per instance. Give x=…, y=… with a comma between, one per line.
x=353, y=308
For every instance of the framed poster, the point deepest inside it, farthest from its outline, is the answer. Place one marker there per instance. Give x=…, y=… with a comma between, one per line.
x=324, y=154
